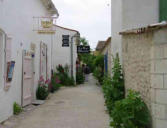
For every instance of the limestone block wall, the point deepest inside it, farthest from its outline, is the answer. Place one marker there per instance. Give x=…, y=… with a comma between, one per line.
x=145, y=70
x=159, y=79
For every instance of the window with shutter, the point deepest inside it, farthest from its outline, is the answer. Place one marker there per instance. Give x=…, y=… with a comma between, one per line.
x=163, y=10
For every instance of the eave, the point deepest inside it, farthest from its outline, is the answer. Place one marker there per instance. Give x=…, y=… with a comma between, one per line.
x=50, y=7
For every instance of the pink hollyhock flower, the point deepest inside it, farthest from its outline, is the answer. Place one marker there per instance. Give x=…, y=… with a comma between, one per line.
x=57, y=80
x=47, y=81
x=41, y=79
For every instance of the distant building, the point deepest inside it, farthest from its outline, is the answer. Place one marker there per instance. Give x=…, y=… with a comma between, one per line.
x=63, y=54
x=100, y=46
x=104, y=48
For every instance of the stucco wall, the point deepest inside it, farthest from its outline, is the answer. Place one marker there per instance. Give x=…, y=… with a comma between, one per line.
x=16, y=19
x=139, y=13
x=62, y=55
x=128, y=14
x=116, y=14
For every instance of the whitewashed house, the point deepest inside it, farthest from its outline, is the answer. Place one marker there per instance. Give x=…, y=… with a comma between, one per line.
x=25, y=44
x=65, y=54
x=128, y=14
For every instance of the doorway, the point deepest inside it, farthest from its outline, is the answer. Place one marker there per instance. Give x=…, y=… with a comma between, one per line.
x=27, y=87
x=43, y=61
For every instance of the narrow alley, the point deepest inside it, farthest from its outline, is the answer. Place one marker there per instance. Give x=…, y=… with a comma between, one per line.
x=70, y=107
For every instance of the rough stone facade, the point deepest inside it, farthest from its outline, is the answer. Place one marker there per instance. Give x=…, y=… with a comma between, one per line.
x=136, y=63
x=145, y=69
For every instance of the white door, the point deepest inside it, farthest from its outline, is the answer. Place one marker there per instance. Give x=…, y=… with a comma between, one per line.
x=27, y=79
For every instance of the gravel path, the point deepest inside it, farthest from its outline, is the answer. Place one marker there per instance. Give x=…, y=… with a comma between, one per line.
x=70, y=107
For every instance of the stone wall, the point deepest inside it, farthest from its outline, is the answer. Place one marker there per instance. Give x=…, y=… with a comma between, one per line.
x=145, y=70
x=159, y=79
x=136, y=63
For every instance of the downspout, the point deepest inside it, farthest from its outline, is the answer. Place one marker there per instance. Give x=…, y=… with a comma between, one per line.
x=72, y=56
x=52, y=40
x=76, y=35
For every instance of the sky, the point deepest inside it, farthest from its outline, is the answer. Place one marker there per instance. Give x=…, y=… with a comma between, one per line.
x=92, y=18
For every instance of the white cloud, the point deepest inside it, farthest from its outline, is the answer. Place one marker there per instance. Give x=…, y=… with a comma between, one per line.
x=92, y=18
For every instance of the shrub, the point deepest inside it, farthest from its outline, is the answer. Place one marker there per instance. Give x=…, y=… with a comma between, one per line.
x=56, y=87
x=98, y=74
x=131, y=112
x=99, y=61
x=55, y=83
x=113, y=88
x=42, y=93
x=63, y=74
x=99, y=70
x=70, y=81
x=42, y=90
x=17, y=109
x=80, y=76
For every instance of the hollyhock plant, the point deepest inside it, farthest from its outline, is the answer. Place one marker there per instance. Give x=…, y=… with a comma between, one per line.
x=41, y=79
x=47, y=81
x=57, y=80
x=42, y=90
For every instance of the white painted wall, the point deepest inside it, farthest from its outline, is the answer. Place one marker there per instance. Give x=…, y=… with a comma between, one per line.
x=16, y=19
x=116, y=6
x=62, y=55
x=128, y=14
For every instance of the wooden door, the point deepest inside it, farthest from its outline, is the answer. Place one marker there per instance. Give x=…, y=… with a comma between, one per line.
x=27, y=87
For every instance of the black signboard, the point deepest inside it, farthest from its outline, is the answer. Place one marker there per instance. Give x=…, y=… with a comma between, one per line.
x=65, y=40
x=83, y=49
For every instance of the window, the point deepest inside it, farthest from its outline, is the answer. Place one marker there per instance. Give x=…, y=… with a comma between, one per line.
x=163, y=10
x=5, y=56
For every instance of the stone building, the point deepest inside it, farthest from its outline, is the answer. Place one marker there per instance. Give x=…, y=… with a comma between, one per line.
x=104, y=48
x=144, y=53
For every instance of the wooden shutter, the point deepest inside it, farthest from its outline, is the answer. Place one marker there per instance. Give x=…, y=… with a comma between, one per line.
x=163, y=10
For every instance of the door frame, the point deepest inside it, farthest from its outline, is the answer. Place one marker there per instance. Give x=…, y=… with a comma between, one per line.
x=42, y=44
x=32, y=85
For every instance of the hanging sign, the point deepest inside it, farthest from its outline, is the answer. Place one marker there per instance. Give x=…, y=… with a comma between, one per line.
x=44, y=25
x=83, y=49
x=47, y=24
x=65, y=41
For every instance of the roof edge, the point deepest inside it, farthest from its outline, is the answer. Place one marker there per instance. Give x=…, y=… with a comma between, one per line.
x=149, y=28
x=50, y=7
x=66, y=28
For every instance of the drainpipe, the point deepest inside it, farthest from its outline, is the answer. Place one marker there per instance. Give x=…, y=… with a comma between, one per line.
x=72, y=56
x=76, y=35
